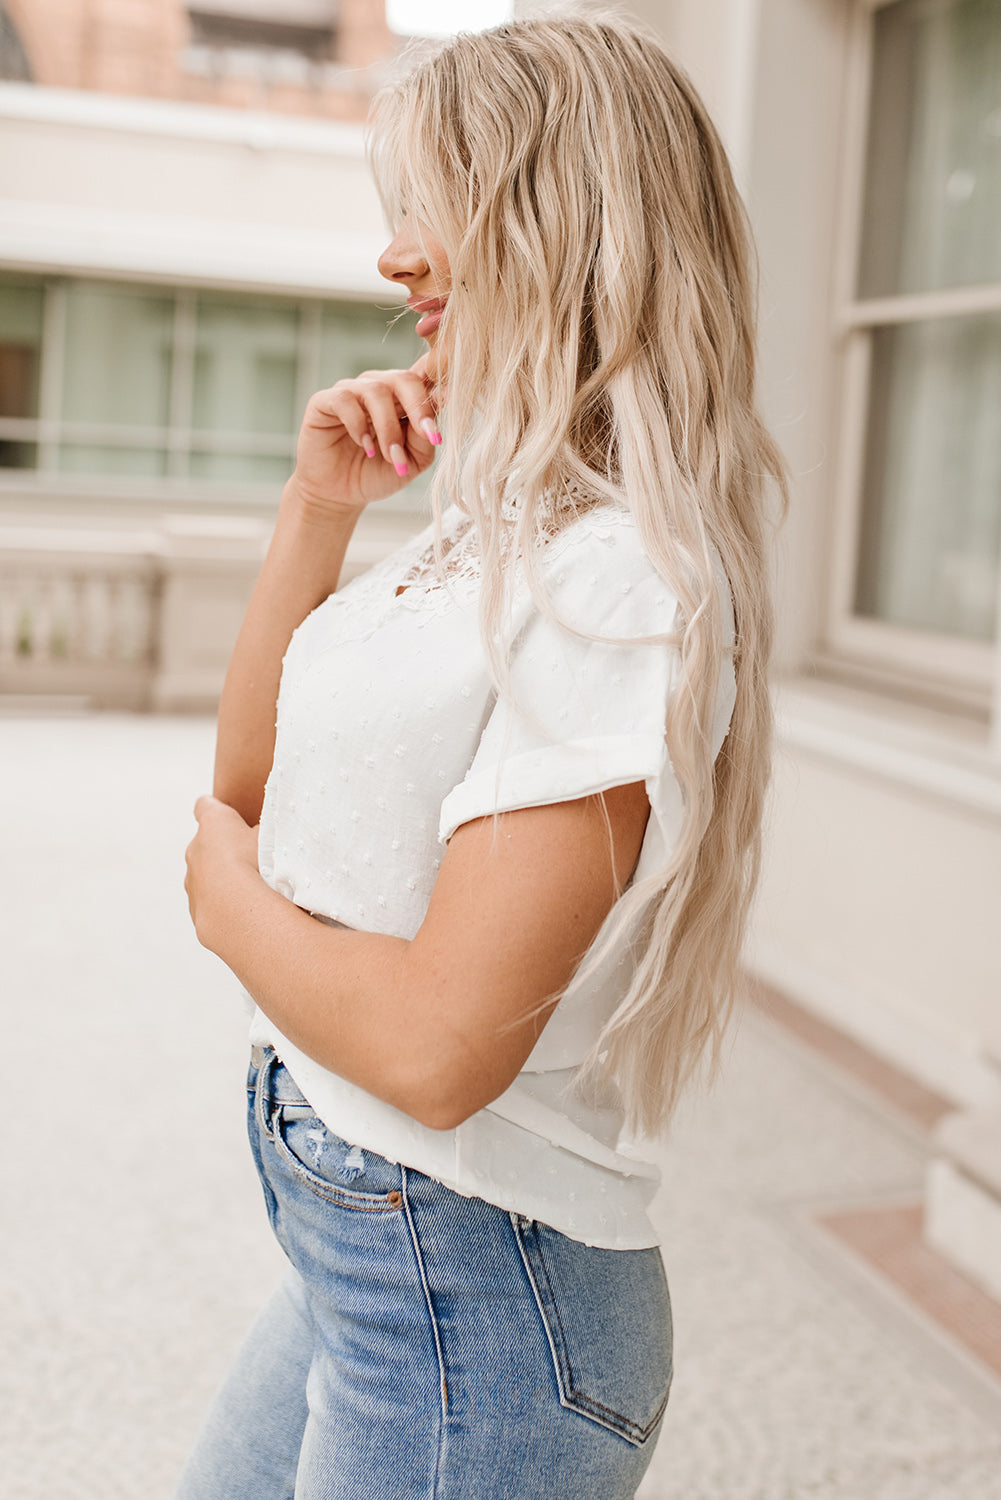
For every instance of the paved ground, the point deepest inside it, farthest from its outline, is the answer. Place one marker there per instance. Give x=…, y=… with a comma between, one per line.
x=135, y=1249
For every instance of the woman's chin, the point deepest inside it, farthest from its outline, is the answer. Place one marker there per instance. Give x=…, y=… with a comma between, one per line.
x=432, y=366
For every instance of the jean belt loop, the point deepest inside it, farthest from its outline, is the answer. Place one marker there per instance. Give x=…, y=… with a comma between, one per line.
x=263, y=1092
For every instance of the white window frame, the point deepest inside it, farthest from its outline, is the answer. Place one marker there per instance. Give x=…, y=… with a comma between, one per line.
x=940, y=668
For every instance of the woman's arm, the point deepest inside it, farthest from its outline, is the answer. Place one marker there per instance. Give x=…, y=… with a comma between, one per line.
x=441, y=1025
x=302, y=567
x=360, y=441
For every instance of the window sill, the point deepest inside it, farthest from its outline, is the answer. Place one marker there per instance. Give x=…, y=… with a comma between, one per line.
x=945, y=756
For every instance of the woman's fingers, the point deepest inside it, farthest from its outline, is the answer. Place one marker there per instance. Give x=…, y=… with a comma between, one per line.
x=386, y=416
x=402, y=416
x=343, y=405
x=415, y=395
x=377, y=407
x=362, y=439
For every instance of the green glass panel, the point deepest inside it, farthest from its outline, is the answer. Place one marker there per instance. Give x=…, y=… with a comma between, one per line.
x=356, y=337
x=118, y=355
x=931, y=519
x=246, y=468
x=20, y=347
x=15, y=455
x=246, y=363
x=932, y=208
x=85, y=458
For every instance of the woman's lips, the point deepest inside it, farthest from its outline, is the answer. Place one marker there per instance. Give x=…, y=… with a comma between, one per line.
x=430, y=310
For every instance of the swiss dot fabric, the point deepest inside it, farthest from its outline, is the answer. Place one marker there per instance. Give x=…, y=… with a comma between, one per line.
x=390, y=735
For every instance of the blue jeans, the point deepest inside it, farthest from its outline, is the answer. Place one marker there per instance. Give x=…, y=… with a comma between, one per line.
x=427, y=1346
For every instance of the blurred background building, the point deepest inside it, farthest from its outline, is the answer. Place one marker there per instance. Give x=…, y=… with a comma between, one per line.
x=188, y=240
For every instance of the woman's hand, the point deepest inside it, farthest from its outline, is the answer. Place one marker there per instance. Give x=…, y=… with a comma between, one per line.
x=220, y=859
x=380, y=413
x=364, y=439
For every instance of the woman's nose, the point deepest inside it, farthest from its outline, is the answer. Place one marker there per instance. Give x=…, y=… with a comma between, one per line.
x=402, y=259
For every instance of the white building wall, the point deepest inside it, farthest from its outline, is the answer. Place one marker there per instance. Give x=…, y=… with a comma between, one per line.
x=133, y=187
x=881, y=888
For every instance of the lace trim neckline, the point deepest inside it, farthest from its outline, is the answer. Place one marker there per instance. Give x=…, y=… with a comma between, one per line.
x=460, y=561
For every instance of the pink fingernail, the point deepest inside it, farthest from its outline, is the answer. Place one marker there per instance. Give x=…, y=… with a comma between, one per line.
x=430, y=431
x=369, y=445
x=399, y=458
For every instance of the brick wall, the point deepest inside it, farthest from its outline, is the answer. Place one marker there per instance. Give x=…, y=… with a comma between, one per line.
x=145, y=47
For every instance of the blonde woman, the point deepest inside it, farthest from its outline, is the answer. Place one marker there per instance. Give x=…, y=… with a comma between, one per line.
x=509, y=818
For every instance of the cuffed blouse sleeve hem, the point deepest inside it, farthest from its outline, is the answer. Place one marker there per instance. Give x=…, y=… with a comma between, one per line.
x=553, y=773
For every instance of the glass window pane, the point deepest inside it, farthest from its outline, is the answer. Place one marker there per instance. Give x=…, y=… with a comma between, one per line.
x=356, y=337
x=932, y=215
x=117, y=359
x=84, y=458
x=246, y=359
x=931, y=519
x=15, y=455
x=20, y=347
x=247, y=468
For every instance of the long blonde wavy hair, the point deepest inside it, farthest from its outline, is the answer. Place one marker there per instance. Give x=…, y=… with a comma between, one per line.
x=600, y=331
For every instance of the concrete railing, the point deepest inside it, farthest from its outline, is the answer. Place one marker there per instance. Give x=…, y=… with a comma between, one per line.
x=140, y=618
x=125, y=619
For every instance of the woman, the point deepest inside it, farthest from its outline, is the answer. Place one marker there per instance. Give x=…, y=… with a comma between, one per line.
x=517, y=776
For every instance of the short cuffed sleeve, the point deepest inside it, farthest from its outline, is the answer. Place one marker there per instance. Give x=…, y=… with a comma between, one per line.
x=583, y=715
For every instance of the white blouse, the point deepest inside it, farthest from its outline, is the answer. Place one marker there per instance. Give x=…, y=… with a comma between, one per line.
x=390, y=734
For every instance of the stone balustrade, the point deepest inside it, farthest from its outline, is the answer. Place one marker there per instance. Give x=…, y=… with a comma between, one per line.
x=130, y=618
x=136, y=615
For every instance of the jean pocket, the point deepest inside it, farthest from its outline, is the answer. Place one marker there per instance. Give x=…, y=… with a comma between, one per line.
x=332, y=1168
x=607, y=1317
